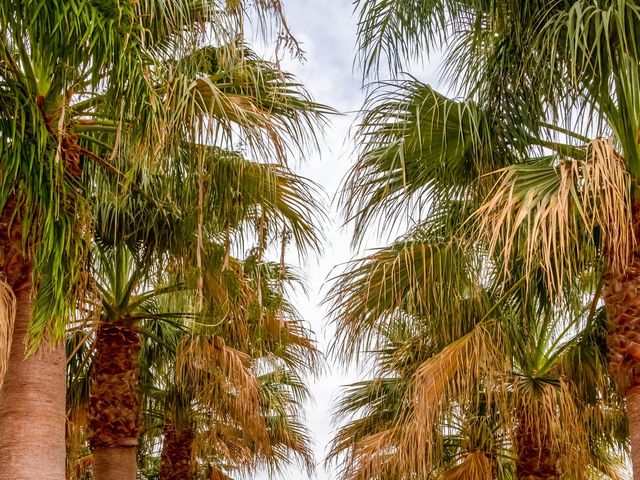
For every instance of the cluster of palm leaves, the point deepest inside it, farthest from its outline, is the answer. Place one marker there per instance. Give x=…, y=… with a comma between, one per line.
x=144, y=189
x=500, y=334
x=209, y=357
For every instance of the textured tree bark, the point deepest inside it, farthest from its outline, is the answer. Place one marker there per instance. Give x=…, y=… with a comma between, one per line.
x=177, y=454
x=115, y=463
x=621, y=294
x=115, y=407
x=33, y=395
x=633, y=413
x=32, y=406
x=534, y=459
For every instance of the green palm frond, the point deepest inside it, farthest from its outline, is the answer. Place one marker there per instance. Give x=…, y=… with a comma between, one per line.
x=418, y=148
x=268, y=196
x=55, y=56
x=430, y=278
x=228, y=95
x=397, y=30
x=83, y=82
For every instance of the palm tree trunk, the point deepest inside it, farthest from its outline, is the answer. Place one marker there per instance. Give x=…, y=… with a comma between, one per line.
x=177, y=454
x=622, y=298
x=115, y=407
x=621, y=294
x=115, y=463
x=32, y=405
x=33, y=394
x=534, y=459
x=633, y=413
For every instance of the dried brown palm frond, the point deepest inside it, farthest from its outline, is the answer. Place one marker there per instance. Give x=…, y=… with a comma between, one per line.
x=549, y=415
x=215, y=473
x=558, y=211
x=7, y=320
x=236, y=445
x=284, y=340
x=227, y=295
x=450, y=374
x=78, y=468
x=224, y=442
x=475, y=465
x=221, y=376
x=406, y=419
x=224, y=400
x=372, y=456
x=79, y=352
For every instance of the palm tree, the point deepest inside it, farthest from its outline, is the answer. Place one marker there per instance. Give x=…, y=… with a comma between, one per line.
x=552, y=88
x=115, y=404
x=234, y=404
x=203, y=192
x=229, y=449
x=134, y=262
x=486, y=385
x=232, y=408
x=64, y=69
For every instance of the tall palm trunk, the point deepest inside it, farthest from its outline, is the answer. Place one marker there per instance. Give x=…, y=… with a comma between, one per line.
x=115, y=407
x=621, y=294
x=32, y=406
x=177, y=454
x=32, y=397
x=535, y=460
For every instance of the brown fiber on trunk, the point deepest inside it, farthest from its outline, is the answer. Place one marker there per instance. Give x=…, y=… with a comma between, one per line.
x=115, y=408
x=534, y=459
x=621, y=294
x=622, y=298
x=633, y=413
x=177, y=454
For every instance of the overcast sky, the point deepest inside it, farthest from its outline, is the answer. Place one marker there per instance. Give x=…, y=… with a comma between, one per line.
x=326, y=29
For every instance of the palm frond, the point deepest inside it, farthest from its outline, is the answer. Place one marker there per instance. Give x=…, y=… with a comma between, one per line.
x=559, y=212
x=225, y=96
x=398, y=30
x=449, y=374
x=7, y=321
x=414, y=277
x=418, y=149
